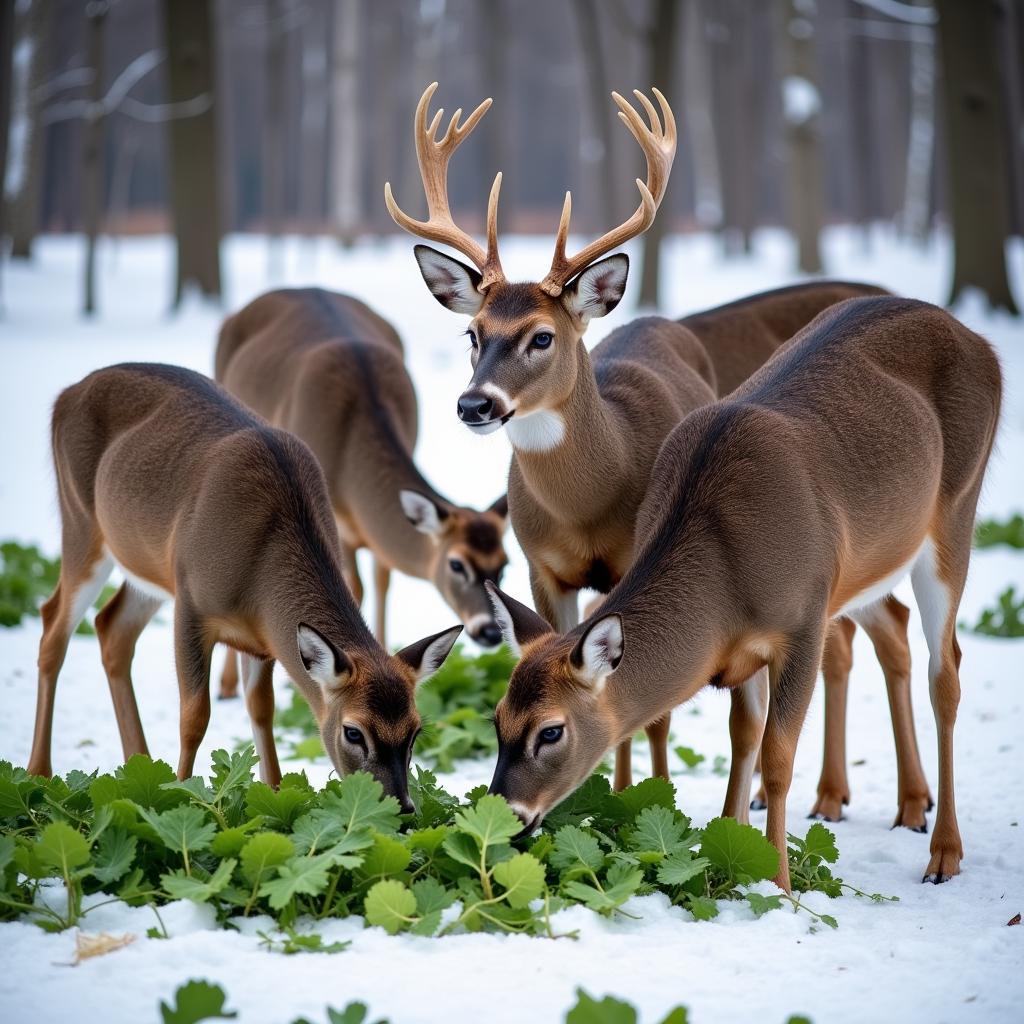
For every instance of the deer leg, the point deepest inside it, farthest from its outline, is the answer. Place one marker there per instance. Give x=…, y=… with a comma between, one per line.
x=836, y=662
x=559, y=606
x=791, y=685
x=657, y=737
x=746, y=727
x=192, y=651
x=258, y=685
x=350, y=571
x=84, y=570
x=119, y=626
x=381, y=583
x=624, y=765
x=886, y=625
x=229, y=676
x=938, y=580
x=759, y=803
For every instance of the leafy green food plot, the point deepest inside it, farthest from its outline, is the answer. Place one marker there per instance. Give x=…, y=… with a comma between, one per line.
x=296, y=853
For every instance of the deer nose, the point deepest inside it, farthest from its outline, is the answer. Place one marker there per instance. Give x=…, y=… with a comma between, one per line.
x=489, y=635
x=406, y=804
x=475, y=408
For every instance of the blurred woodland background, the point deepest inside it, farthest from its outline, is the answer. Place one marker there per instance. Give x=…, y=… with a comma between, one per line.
x=203, y=117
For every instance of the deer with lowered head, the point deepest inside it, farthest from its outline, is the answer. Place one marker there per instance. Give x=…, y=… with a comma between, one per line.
x=585, y=428
x=197, y=499
x=854, y=456
x=330, y=370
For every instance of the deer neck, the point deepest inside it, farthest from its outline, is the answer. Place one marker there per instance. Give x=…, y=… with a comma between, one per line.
x=573, y=457
x=374, y=498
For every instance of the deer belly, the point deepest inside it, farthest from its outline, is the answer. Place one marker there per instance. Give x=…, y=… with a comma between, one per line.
x=875, y=591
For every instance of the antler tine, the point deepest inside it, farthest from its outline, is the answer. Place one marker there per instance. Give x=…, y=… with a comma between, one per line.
x=433, y=155
x=658, y=143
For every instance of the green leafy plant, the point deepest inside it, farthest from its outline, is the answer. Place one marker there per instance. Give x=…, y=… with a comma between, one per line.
x=455, y=704
x=690, y=758
x=298, y=854
x=27, y=579
x=1006, y=619
x=990, y=532
x=196, y=1001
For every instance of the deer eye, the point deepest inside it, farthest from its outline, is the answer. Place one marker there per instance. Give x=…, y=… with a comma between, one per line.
x=354, y=736
x=542, y=340
x=552, y=734
x=457, y=567
x=472, y=338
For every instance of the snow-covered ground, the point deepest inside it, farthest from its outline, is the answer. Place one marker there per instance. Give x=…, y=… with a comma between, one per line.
x=940, y=954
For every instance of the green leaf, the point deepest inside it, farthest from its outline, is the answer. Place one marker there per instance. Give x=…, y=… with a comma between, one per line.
x=232, y=771
x=114, y=855
x=431, y=896
x=142, y=781
x=354, y=1013
x=391, y=905
x=279, y=808
x=184, y=829
x=702, y=907
x=575, y=849
x=522, y=877
x=180, y=886
x=490, y=822
x=359, y=801
x=306, y=876
x=820, y=842
x=608, y=1011
x=652, y=792
x=740, y=852
x=316, y=830
x=584, y=803
x=463, y=849
x=677, y=1016
x=196, y=1001
x=229, y=841
x=658, y=830
x=60, y=846
x=622, y=881
x=679, y=867
x=386, y=857
x=762, y=904
x=264, y=852
x=689, y=756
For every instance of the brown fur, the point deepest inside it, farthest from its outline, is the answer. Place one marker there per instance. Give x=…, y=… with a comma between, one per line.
x=327, y=368
x=867, y=436
x=159, y=469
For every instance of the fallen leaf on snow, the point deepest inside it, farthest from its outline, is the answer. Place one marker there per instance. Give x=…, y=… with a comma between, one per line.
x=87, y=946
x=1014, y=920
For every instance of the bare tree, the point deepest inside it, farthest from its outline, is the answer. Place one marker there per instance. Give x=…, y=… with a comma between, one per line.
x=96, y=12
x=6, y=69
x=23, y=185
x=273, y=132
x=346, y=112
x=195, y=203
x=975, y=150
x=916, y=213
x=801, y=106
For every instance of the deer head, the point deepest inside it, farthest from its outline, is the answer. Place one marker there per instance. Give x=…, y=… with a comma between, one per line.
x=553, y=723
x=526, y=337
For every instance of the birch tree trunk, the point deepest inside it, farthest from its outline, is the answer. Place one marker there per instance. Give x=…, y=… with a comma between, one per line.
x=345, y=117
x=92, y=151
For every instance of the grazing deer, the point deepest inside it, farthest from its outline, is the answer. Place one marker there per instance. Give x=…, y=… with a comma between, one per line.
x=586, y=427
x=327, y=368
x=854, y=456
x=197, y=499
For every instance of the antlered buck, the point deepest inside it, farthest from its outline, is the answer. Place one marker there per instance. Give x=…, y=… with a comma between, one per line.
x=854, y=456
x=197, y=499
x=586, y=427
x=330, y=370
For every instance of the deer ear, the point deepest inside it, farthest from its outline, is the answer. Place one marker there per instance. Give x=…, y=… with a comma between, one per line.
x=519, y=624
x=598, y=652
x=326, y=665
x=426, y=656
x=423, y=513
x=500, y=507
x=452, y=283
x=597, y=290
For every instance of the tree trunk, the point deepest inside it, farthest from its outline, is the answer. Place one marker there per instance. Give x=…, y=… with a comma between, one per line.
x=24, y=204
x=697, y=89
x=273, y=134
x=801, y=103
x=92, y=153
x=921, y=145
x=345, y=117
x=975, y=150
x=602, y=113
x=663, y=67
x=6, y=70
x=195, y=203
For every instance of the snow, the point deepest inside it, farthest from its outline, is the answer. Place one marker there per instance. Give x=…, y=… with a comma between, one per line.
x=941, y=954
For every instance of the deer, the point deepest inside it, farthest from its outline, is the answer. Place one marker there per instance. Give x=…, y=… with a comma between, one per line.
x=197, y=499
x=585, y=428
x=853, y=457
x=330, y=370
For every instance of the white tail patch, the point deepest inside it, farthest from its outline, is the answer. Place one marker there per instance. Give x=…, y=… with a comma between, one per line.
x=90, y=589
x=536, y=431
x=932, y=596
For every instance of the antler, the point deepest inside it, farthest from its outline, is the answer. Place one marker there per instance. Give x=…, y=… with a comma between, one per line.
x=433, y=156
x=659, y=146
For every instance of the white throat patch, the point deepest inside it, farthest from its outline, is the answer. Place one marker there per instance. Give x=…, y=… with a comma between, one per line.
x=536, y=431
